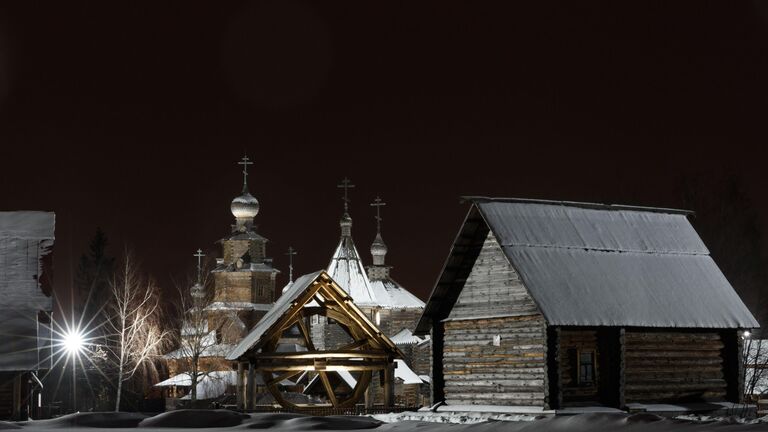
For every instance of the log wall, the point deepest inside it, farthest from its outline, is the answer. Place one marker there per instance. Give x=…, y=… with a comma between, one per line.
x=477, y=372
x=494, y=347
x=673, y=366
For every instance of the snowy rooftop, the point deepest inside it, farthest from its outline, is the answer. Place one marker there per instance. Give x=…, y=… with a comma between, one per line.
x=391, y=295
x=402, y=373
x=282, y=304
x=406, y=337
x=226, y=306
x=588, y=264
x=346, y=268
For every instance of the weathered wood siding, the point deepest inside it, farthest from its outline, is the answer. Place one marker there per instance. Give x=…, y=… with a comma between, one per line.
x=673, y=366
x=493, y=287
x=494, y=304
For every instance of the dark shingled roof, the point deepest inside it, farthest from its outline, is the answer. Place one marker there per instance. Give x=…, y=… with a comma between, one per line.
x=599, y=265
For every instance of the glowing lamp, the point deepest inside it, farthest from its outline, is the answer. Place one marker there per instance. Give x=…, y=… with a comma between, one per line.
x=73, y=341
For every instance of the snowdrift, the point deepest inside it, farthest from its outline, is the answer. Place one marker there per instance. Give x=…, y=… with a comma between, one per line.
x=224, y=419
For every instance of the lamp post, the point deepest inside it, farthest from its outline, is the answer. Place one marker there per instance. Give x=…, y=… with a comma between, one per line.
x=73, y=345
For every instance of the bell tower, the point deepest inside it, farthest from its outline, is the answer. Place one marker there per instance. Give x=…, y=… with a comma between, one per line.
x=244, y=279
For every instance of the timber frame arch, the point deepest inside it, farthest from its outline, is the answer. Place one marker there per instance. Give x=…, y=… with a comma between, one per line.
x=314, y=294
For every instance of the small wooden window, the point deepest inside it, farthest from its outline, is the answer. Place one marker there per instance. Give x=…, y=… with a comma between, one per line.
x=586, y=367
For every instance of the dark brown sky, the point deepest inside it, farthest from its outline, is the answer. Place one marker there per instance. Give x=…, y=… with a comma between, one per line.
x=131, y=116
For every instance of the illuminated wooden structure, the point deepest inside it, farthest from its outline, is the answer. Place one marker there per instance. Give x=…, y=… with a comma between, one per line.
x=314, y=294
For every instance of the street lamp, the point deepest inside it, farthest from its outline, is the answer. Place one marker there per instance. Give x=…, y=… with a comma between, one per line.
x=74, y=342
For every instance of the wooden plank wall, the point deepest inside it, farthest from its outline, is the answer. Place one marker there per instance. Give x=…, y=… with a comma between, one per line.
x=673, y=366
x=493, y=287
x=494, y=304
x=477, y=372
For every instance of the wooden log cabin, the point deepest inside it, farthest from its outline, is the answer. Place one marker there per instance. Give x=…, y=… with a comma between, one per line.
x=557, y=304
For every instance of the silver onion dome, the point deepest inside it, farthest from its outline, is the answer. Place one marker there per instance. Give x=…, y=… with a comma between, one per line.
x=245, y=206
x=378, y=248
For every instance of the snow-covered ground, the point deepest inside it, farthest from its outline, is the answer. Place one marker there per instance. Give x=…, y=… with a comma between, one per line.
x=183, y=420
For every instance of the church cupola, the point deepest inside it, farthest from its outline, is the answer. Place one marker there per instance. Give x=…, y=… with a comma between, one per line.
x=346, y=220
x=378, y=248
x=244, y=207
x=346, y=267
x=379, y=270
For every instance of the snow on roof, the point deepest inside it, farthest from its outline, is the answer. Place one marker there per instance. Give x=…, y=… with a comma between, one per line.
x=347, y=270
x=214, y=384
x=273, y=315
x=405, y=373
x=615, y=267
x=402, y=372
x=405, y=337
x=189, y=329
x=391, y=295
x=597, y=265
x=237, y=306
x=25, y=238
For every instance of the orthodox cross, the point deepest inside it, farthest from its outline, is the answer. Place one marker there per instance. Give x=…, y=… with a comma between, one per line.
x=245, y=162
x=291, y=252
x=378, y=203
x=199, y=256
x=346, y=184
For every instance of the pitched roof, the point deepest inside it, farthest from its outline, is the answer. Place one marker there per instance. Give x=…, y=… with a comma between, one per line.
x=292, y=298
x=406, y=337
x=282, y=305
x=346, y=268
x=598, y=265
x=391, y=295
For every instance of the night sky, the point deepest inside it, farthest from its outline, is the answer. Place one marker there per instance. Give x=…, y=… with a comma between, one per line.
x=132, y=117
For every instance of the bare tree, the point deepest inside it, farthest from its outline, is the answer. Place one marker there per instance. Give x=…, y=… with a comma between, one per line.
x=137, y=332
x=197, y=352
x=755, y=366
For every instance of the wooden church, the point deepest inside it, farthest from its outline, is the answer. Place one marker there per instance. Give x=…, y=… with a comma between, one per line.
x=556, y=304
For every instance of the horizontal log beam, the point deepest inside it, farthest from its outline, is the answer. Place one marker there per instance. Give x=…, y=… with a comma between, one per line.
x=323, y=355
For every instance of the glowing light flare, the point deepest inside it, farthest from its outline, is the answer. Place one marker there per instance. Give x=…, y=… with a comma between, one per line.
x=73, y=341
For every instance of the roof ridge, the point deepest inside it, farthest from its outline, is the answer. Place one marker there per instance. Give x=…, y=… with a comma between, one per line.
x=648, y=252
x=580, y=204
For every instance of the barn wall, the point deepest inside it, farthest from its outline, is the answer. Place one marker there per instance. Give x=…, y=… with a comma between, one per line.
x=477, y=372
x=494, y=304
x=493, y=288
x=673, y=366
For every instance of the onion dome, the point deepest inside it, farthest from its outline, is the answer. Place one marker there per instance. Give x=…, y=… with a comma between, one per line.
x=346, y=225
x=245, y=206
x=378, y=250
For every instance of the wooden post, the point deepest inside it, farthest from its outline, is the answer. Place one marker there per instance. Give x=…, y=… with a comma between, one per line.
x=240, y=386
x=733, y=364
x=622, y=368
x=389, y=385
x=17, y=397
x=369, y=396
x=554, y=398
x=251, y=386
